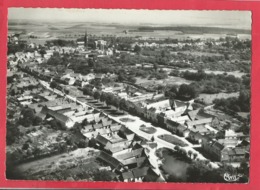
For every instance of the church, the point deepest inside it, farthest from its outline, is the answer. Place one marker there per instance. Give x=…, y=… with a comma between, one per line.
x=83, y=43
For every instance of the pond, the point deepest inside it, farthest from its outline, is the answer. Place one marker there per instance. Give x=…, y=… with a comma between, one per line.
x=174, y=164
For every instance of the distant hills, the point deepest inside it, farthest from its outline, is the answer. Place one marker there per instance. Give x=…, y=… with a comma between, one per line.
x=195, y=29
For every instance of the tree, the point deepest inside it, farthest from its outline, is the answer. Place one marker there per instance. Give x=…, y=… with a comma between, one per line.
x=42, y=52
x=25, y=146
x=137, y=49
x=155, y=66
x=187, y=92
x=12, y=133
x=27, y=117
x=177, y=148
x=103, y=97
x=122, y=104
x=195, y=155
x=244, y=100
x=54, y=124
x=227, y=126
x=174, y=178
x=96, y=95
x=172, y=92
x=102, y=175
x=189, y=153
x=110, y=99
x=132, y=79
x=53, y=84
x=36, y=151
x=82, y=143
x=121, y=77
x=116, y=102
x=199, y=172
x=37, y=120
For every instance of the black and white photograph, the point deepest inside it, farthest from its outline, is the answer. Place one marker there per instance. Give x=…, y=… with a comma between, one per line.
x=128, y=95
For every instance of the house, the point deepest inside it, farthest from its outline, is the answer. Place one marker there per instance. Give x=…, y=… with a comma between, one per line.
x=128, y=176
x=236, y=154
x=139, y=174
x=102, y=141
x=213, y=147
x=200, y=129
x=230, y=134
x=109, y=143
x=198, y=122
x=195, y=137
x=129, y=153
x=151, y=114
x=181, y=119
x=111, y=161
x=183, y=131
x=88, y=77
x=180, y=107
x=172, y=126
x=35, y=107
x=229, y=142
x=200, y=114
x=62, y=119
x=126, y=133
x=106, y=122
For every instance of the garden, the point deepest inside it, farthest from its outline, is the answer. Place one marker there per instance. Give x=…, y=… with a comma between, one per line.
x=149, y=130
x=173, y=140
x=126, y=119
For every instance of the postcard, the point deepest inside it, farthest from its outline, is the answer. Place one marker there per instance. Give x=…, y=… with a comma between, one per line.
x=129, y=98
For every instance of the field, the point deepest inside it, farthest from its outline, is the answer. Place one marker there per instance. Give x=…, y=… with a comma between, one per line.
x=235, y=73
x=71, y=31
x=200, y=53
x=209, y=98
x=154, y=82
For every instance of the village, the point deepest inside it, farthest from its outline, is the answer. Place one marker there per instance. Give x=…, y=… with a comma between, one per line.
x=81, y=118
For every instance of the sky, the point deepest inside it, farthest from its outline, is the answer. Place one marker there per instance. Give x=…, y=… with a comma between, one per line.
x=229, y=19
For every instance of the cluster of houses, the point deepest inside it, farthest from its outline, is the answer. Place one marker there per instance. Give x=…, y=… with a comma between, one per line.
x=121, y=149
x=72, y=78
x=199, y=126
x=173, y=45
x=24, y=57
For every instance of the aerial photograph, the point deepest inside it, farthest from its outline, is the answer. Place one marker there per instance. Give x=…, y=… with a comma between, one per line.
x=128, y=95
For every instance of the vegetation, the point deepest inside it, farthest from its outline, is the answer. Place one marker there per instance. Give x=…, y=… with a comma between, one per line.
x=28, y=118
x=173, y=140
x=184, y=92
x=12, y=133
x=240, y=104
x=149, y=130
x=211, y=83
x=61, y=43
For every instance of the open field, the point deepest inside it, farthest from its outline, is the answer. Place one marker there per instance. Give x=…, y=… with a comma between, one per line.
x=145, y=82
x=200, y=53
x=234, y=73
x=209, y=98
x=70, y=31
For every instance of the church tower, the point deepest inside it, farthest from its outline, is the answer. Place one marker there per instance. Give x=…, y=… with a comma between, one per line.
x=86, y=40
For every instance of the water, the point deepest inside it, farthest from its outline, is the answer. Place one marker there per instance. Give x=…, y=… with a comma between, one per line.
x=174, y=165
